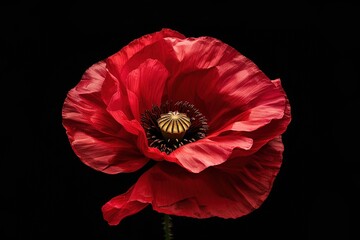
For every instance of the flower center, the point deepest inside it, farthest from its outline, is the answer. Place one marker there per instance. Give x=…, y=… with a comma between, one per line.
x=172, y=125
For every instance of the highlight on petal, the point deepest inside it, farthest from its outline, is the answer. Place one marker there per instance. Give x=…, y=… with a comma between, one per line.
x=120, y=64
x=230, y=190
x=141, y=89
x=204, y=153
x=107, y=154
x=126, y=55
x=201, y=53
x=276, y=126
x=145, y=86
x=96, y=138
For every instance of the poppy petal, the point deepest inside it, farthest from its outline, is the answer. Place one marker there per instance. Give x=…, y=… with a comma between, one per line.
x=134, y=128
x=197, y=156
x=97, y=139
x=118, y=99
x=230, y=190
x=142, y=89
x=120, y=207
x=201, y=61
x=145, y=86
x=259, y=124
x=236, y=89
x=126, y=56
x=275, y=127
x=272, y=106
x=256, y=172
x=246, y=137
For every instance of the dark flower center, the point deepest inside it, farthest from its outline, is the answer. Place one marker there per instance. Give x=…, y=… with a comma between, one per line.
x=173, y=125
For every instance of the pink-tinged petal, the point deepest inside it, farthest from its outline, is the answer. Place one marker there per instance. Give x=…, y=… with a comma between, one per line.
x=269, y=155
x=273, y=107
x=274, y=128
x=201, y=53
x=261, y=123
x=125, y=56
x=145, y=86
x=120, y=207
x=107, y=153
x=251, y=103
x=230, y=190
x=95, y=136
x=207, y=152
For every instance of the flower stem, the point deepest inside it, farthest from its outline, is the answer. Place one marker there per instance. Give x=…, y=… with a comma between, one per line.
x=167, y=227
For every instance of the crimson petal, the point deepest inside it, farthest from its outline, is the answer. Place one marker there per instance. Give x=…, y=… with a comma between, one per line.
x=120, y=207
x=118, y=64
x=97, y=139
x=259, y=125
x=235, y=87
x=230, y=190
x=145, y=86
x=197, y=156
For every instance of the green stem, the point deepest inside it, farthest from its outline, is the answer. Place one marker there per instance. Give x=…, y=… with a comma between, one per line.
x=167, y=227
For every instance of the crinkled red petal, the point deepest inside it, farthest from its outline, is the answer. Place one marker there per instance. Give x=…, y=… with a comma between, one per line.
x=95, y=136
x=230, y=190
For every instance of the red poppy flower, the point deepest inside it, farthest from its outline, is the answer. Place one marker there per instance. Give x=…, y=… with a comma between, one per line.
x=205, y=115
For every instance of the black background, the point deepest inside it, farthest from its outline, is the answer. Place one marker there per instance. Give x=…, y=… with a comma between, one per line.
x=47, y=193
